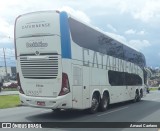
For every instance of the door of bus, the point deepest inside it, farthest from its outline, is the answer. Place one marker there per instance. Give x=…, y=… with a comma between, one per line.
x=80, y=88
x=86, y=87
x=77, y=91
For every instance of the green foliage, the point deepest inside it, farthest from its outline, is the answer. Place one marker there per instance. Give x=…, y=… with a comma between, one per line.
x=9, y=101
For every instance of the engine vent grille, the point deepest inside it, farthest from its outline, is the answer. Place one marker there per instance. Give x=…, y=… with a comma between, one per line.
x=43, y=66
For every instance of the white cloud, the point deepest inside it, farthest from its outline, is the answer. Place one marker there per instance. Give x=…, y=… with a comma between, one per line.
x=76, y=13
x=10, y=57
x=142, y=32
x=111, y=28
x=136, y=44
x=6, y=33
x=6, y=29
x=149, y=12
x=11, y=9
x=6, y=40
x=122, y=6
x=130, y=31
x=25, y=6
x=142, y=10
x=139, y=44
x=8, y=52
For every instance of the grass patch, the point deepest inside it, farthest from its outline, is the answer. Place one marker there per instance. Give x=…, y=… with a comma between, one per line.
x=9, y=89
x=153, y=89
x=9, y=101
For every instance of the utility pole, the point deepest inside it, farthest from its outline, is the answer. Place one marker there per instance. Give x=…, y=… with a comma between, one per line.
x=5, y=62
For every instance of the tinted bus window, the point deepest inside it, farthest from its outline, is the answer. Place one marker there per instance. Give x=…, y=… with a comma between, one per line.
x=122, y=78
x=90, y=38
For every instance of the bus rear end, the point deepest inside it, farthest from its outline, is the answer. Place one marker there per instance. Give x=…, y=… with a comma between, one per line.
x=42, y=83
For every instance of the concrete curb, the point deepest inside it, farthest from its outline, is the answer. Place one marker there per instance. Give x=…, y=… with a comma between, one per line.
x=3, y=93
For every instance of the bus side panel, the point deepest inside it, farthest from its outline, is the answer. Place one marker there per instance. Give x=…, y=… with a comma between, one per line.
x=86, y=87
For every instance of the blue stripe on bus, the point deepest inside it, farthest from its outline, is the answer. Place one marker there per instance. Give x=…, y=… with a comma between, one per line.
x=65, y=36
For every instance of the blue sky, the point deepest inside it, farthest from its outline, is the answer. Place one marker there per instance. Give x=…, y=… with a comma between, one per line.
x=133, y=22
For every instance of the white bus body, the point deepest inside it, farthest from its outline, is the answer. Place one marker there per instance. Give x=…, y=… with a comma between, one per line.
x=61, y=67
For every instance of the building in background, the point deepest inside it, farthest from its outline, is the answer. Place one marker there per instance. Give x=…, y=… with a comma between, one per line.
x=11, y=72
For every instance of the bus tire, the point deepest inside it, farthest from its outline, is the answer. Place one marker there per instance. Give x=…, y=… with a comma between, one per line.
x=94, y=104
x=104, y=102
x=141, y=93
x=136, y=98
x=139, y=98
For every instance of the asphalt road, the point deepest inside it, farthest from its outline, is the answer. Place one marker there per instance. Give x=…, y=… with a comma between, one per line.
x=147, y=110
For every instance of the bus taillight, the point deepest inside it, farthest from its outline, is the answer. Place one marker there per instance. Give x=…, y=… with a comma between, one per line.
x=65, y=85
x=19, y=84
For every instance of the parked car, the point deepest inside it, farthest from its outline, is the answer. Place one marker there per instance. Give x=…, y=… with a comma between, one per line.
x=10, y=85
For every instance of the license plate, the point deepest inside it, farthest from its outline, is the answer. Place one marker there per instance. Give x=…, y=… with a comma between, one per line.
x=41, y=103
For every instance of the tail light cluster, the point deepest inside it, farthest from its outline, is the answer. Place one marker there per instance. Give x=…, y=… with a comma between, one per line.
x=19, y=84
x=65, y=89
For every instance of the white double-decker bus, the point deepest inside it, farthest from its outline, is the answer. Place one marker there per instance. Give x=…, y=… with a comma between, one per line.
x=63, y=63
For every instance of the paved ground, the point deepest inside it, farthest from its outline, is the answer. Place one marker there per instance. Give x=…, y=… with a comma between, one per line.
x=148, y=110
x=8, y=93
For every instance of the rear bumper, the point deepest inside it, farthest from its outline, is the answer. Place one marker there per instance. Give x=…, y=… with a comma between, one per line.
x=62, y=102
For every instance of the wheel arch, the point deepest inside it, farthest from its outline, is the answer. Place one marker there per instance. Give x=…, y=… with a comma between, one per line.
x=97, y=92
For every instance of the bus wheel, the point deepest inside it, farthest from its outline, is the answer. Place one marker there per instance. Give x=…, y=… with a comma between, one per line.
x=104, y=102
x=94, y=104
x=136, y=98
x=139, y=97
x=141, y=93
